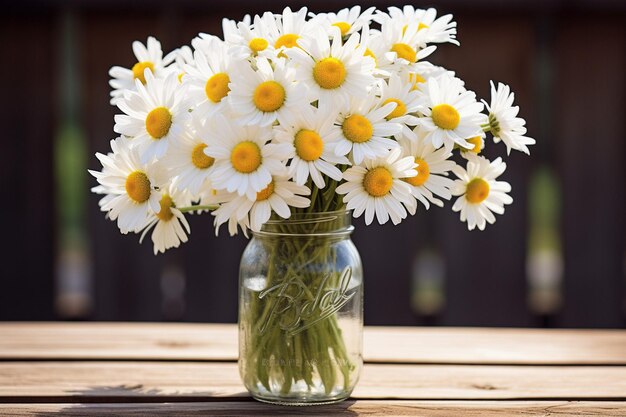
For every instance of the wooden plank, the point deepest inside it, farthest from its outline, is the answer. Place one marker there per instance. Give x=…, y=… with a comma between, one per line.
x=594, y=285
x=495, y=346
x=26, y=168
x=178, y=341
x=118, y=341
x=159, y=381
x=346, y=408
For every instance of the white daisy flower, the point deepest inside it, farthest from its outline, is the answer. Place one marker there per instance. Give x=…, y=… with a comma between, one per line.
x=259, y=97
x=129, y=185
x=348, y=20
x=149, y=56
x=155, y=115
x=432, y=170
x=208, y=80
x=364, y=131
x=397, y=90
x=309, y=131
x=286, y=29
x=279, y=195
x=186, y=159
x=451, y=114
x=403, y=46
x=434, y=30
x=377, y=188
x=480, y=193
x=244, y=160
x=503, y=120
x=333, y=71
x=170, y=225
x=248, y=40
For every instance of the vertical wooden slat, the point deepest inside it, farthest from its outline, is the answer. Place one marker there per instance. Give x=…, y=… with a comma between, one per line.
x=387, y=253
x=591, y=104
x=26, y=171
x=212, y=269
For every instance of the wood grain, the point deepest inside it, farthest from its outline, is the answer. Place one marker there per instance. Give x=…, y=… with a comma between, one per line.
x=180, y=341
x=346, y=408
x=177, y=341
x=201, y=381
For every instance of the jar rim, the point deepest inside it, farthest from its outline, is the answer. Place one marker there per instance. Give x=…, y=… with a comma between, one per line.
x=312, y=215
x=313, y=224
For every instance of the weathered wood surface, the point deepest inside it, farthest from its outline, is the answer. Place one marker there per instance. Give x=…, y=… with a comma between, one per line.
x=199, y=342
x=142, y=369
x=130, y=381
x=346, y=408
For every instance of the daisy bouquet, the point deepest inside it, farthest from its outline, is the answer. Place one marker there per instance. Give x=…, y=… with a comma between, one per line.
x=297, y=113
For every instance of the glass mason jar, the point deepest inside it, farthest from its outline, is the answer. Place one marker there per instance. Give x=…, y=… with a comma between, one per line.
x=301, y=310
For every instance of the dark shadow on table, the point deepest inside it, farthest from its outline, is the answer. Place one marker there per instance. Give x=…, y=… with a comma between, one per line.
x=135, y=400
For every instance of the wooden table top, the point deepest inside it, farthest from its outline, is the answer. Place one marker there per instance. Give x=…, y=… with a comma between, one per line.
x=190, y=369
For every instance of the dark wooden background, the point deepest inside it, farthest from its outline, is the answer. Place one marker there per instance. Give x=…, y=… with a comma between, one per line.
x=564, y=59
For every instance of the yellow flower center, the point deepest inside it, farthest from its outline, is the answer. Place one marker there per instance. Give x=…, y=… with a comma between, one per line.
x=288, y=40
x=216, y=87
x=257, y=44
x=368, y=52
x=423, y=172
x=404, y=51
x=158, y=122
x=269, y=96
x=357, y=128
x=400, y=109
x=477, y=142
x=199, y=159
x=445, y=116
x=138, y=186
x=265, y=193
x=246, y=157
x=415, y=79
x=477, y=191
x=329, y=73
x=344, y=27
x=138, y=70
x=166, y=203
x=309, y=145
x=378, y=181
x=180, y=77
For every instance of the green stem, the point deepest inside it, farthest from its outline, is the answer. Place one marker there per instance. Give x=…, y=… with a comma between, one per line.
x=275, y=357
